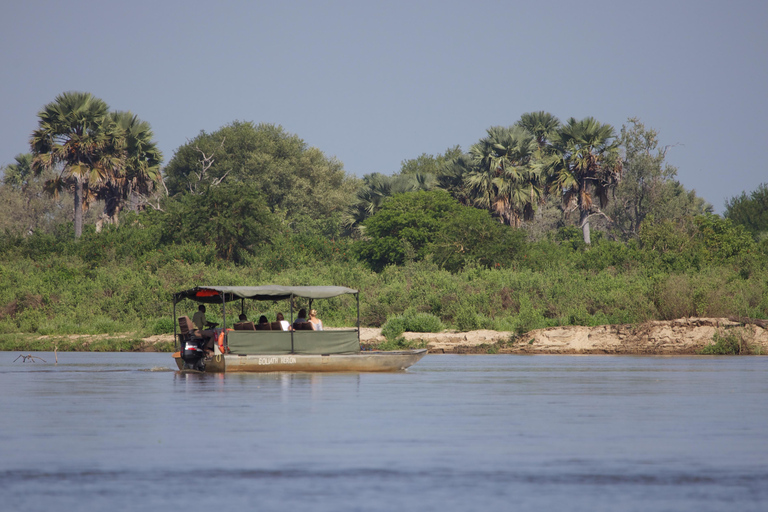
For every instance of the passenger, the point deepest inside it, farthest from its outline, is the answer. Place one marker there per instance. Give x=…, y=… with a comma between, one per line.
x=263, y=320
x=302, y=316
x=283, y=323
x=243, y=318
x=317, y=324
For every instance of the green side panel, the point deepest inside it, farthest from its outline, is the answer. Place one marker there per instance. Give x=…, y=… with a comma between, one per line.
x=326, y=342
x=304, y=342
x=259, y=342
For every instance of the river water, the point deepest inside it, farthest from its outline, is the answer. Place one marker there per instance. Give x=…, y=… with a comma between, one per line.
x=122, y=431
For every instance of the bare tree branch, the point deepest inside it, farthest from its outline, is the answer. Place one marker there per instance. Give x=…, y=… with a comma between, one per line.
x=206, y=161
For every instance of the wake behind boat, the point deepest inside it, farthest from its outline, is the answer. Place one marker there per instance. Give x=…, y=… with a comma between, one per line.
x=247, y=347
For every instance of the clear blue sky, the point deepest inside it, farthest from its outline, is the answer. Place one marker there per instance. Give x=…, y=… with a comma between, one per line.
x=375, y=83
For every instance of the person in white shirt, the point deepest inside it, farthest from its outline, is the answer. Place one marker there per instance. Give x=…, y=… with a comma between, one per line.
x=317, y=324
x=283, y=322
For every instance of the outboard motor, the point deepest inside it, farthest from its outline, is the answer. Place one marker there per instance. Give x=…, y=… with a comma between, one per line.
x=193, y=354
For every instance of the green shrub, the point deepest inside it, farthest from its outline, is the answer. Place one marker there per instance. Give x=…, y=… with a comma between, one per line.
x=732, y=343
x=467, y=318
x=162, y=326
x=411, y=321
x=394, y=328
x=423, y=322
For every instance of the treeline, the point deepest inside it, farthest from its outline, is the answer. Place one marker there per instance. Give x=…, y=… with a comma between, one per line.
x=538, y=224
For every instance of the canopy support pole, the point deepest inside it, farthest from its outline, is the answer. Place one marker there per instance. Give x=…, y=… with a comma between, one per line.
x=175, y=337
x=224, y=310
x=291, y=326
x=357, y=296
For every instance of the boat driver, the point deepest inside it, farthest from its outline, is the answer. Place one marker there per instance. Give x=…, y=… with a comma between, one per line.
x=208, y=334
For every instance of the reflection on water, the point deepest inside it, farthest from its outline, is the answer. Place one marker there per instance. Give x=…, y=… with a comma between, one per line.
x=126, y=432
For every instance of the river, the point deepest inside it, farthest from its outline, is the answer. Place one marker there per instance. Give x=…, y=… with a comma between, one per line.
x=109, y=431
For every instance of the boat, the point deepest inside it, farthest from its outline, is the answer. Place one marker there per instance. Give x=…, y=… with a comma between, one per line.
x=246, y=347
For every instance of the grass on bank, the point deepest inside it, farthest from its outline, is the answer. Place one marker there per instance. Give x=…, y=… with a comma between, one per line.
x=26, y=342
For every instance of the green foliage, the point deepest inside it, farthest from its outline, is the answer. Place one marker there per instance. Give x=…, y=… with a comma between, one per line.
x=293, y=179
x=411, y=321
x=163, y=325
x=472, y=236
x=424, y=261
x=750, y=211
x=729, y=344
x=429, y=164
x=648, y=185
x=394, y=328
x=411, y=226
x=232, y=218
x=405, y=227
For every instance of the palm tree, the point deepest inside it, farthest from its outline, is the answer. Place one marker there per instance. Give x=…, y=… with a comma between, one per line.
x=504, y=179
x=75, y=135
x=542, y=125
x=20, y=173
x=141, y=166
x=377, y=188
x=452, y=177
x=585, y=166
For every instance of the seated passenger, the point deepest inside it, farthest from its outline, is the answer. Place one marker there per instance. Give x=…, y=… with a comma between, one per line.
x=263, y=324
x=317, y=324
x=284, y=325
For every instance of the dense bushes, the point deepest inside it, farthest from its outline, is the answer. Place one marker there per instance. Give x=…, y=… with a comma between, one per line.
x=120, y=280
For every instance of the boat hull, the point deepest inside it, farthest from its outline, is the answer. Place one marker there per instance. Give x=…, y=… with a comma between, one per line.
x=362, y=362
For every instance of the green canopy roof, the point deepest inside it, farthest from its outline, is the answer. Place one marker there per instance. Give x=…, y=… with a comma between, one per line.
x=213, y=294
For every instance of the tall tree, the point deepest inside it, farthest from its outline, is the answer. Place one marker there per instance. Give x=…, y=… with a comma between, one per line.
x=378, y=188
x=429, y=164
x=585, y=167
x=648, y=185
x=298, y=182
x=24, y=207
x=504, y=179
x=76, y=137
x=750, y=211
x=140, y=169
x=542, y=125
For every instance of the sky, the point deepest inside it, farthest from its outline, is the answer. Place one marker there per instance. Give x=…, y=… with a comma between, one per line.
x=376, y=83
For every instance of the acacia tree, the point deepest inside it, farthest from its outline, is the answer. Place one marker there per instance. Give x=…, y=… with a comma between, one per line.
x=24, y=207
x=584, y=167
x=298, y=182
x=648, y=186
x=76, y=138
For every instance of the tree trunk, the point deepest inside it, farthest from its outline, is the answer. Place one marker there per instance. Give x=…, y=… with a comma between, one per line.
x=584, y=221
x=78, y=208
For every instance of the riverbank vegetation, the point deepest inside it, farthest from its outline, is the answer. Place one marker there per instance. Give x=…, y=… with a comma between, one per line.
x=538, y=224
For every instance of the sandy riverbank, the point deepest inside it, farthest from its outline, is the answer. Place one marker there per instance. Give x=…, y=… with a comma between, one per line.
x=675, y=337
x=683, y=336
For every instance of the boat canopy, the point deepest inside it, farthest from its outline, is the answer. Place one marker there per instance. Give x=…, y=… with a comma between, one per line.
x=214, y=294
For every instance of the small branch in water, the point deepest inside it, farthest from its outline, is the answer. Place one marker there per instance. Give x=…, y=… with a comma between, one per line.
x=30, y=357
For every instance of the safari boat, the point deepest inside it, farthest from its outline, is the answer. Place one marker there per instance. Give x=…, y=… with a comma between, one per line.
x=243, y=348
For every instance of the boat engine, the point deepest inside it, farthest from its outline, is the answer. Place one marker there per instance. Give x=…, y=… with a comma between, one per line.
x=193, y=354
